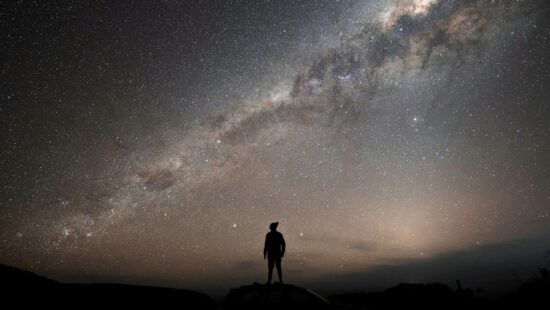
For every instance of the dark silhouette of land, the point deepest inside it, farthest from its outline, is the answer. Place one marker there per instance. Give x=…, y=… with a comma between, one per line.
x=22, y=288
x=277, y=296
x=531, y=295
x=274, y=249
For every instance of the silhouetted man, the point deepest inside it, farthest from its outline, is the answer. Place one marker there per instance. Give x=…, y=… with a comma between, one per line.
x=274, y=249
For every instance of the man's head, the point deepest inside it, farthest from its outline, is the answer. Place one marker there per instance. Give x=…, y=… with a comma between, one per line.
x=273, y=226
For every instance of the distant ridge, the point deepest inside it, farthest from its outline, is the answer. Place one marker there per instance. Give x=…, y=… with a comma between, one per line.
x=15, y=276
x=23, y=288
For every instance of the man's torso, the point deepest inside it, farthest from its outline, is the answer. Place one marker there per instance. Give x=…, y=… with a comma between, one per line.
x=274, y=241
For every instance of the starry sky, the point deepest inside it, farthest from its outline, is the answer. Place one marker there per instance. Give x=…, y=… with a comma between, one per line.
x=153, y=142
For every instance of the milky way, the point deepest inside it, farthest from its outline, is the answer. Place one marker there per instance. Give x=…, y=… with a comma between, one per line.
x=377, y=133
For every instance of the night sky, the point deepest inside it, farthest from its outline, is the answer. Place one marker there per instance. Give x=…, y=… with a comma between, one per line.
x=154, y=142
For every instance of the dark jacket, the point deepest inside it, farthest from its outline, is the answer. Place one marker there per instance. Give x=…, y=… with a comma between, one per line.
x=274, y=244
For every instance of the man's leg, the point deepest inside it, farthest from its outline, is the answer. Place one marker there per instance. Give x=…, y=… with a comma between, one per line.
x=279, y=270
x=270, y=263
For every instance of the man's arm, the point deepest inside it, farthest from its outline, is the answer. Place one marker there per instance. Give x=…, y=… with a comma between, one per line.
x=265, y=246
x=283, y=246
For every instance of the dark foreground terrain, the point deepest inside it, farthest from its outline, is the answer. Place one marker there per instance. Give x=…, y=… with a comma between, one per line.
x=20, y=288
x=534, y=295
